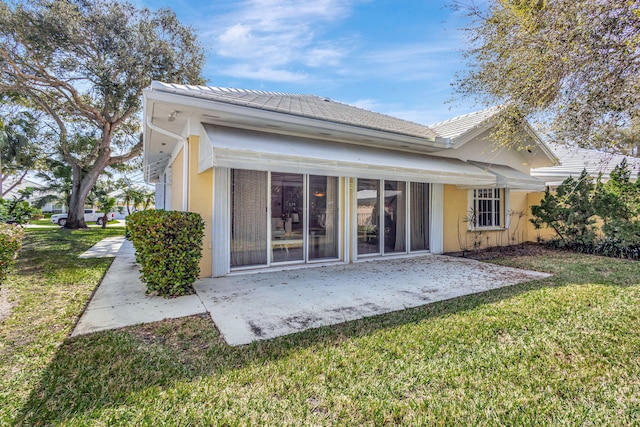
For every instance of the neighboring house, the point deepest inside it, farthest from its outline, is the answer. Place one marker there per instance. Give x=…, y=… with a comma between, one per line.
x=27, y=183
x=573, y=160
x=285, y=180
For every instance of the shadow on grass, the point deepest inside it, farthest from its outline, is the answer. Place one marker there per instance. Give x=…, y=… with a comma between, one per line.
x=102, y=370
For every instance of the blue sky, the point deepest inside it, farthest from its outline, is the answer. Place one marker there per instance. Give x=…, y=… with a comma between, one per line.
x=397, y=57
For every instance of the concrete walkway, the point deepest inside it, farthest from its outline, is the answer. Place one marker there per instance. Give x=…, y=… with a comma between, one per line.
x=107, y=247
x=121, y=301
x=258, y=306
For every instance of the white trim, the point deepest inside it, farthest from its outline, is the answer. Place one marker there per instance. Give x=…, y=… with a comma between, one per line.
x=185, y=177
x=502, y=217
x=221, y=223
x=353, y=215
x=507, y=208
x=508, y=177
x=436, y=214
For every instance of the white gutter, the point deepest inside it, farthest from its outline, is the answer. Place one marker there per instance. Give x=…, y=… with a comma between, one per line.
x=163, y=131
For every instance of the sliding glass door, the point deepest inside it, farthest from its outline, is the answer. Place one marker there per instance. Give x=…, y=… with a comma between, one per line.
x=419, y=216
x=401, y=226
x=323, y=217
x=395, y=213
x=368, y=216
x=287, y=217
x=281, y=218
x=248, y=225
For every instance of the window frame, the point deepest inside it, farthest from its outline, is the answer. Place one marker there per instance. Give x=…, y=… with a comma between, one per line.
x=498, y=198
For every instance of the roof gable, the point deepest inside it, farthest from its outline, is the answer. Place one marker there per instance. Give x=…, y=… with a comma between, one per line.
x=457, y=127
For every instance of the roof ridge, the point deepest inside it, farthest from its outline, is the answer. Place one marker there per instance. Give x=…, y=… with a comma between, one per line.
x=473, y=113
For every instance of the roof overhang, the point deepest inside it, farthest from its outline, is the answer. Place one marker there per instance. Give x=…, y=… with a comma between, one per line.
x=508, y=177
x=169, y=118
x=246, y=149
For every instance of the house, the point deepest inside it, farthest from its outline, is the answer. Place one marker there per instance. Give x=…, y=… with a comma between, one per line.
x=287, y=180
x=15, y=188
x=573, y=160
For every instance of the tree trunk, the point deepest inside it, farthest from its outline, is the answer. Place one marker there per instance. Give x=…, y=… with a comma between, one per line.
x=82, y=183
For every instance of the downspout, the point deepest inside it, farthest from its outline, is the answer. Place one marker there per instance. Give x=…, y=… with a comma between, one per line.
x=184, y=141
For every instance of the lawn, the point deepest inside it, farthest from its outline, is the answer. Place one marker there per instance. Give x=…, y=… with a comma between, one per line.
x=559, y=351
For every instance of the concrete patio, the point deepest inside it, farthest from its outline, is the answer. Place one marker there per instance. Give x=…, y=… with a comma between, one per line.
x=258, y=306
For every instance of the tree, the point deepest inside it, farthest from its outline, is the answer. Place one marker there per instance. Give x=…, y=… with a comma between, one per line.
x=19, y=152
x=570, y=211
x=58, y=178
x=85, y=64
x=571, y=66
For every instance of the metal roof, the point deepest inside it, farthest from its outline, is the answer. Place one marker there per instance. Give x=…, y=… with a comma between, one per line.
x=308, y=106
x=575, y=159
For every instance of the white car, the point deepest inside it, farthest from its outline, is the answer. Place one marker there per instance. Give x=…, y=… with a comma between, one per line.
x=90, y=215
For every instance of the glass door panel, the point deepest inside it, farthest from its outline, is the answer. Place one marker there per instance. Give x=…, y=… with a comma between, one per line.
x=248, y=212
x=368, y=214
x=287, y=221
x=419, y=216
x=323, y=217
x=395, y=217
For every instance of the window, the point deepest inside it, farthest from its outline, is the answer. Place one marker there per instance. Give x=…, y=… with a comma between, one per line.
x=486, y=209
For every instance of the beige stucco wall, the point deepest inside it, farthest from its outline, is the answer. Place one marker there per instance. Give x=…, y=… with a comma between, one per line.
x=200, y=200
x=543, y=234
x=457, y=237
x=177, y=181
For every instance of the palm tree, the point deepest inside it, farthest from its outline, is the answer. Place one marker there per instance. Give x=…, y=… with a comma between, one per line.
x=58, y=178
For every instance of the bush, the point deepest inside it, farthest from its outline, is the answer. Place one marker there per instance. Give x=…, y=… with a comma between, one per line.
x=572, y=210
x=168, y=248
x=10, y=243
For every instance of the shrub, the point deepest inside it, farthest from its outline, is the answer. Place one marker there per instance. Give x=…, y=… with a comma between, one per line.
x=570, y=212
x=168, y=248
x=10, y=243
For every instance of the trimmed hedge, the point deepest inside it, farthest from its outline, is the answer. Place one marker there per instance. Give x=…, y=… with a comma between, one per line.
x=10, y=243
x=168, y=248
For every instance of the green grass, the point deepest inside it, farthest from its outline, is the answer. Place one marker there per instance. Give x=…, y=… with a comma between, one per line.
x=43, y=221
x=559, y=351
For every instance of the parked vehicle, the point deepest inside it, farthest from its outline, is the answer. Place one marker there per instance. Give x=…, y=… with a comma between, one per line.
x=90, y=215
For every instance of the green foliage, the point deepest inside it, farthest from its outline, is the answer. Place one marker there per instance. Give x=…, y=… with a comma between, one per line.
x=572, y=211
x=84, y=65
x=18, y=210
x=10, y=243
x=168, y=248
x=617, y=202
x=20, y=151
x=571, y=64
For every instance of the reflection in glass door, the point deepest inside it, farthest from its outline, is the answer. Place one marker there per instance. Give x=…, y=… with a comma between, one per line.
x=395, y=217
x=419, y=216
x=287, y=217
x=368, y=214
x=323, y=217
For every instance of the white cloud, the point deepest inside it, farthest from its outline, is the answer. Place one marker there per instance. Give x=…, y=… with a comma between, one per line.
x=276, y=35
x=247, y=71
x=367, y=104
x=325, y=56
